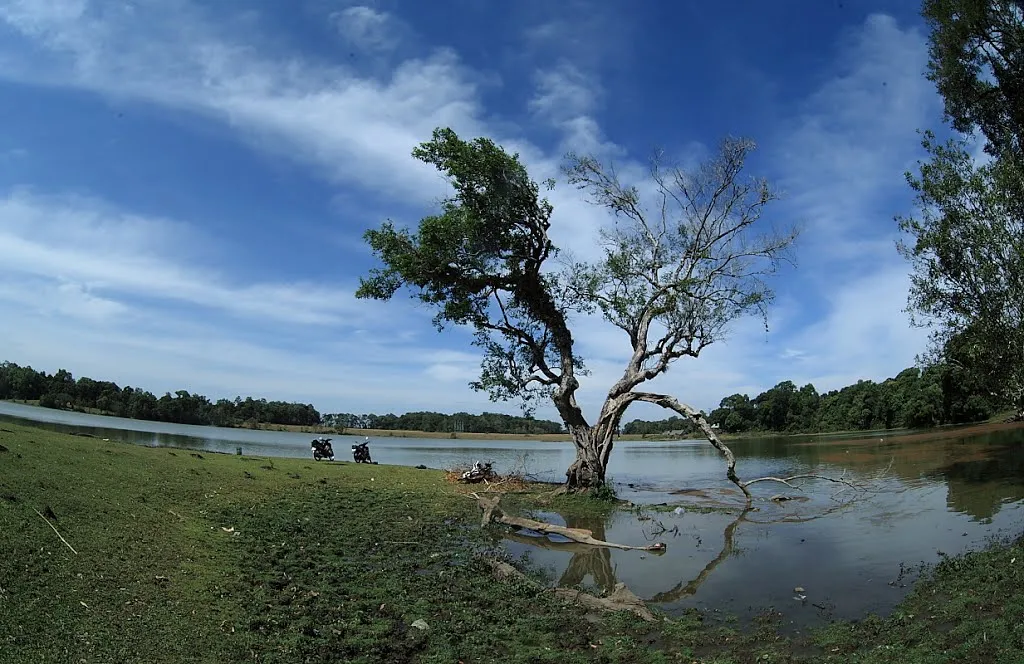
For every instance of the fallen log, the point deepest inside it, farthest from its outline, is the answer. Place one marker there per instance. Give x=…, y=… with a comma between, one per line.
x=620, y=599
x=491, y=512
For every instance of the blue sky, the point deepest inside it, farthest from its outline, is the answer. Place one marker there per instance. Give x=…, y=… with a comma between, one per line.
x=184, y=186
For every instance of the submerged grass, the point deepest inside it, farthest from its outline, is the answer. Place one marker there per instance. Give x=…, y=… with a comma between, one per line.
x=188, y=556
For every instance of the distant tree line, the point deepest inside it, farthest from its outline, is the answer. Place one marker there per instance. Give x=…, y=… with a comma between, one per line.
x=672, y=425
x=940, y=394
x=915, y=398
x=61, y=390
x=430, y=421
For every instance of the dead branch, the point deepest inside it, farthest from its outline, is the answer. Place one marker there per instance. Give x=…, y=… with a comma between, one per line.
x=620, y=599
x=791, y=478
x=544, y=543
x=695, y=416
x=512, y=482
x=491, y=512
x=55, y=530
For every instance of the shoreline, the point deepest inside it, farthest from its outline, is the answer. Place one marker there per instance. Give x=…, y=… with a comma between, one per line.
x=848, y=436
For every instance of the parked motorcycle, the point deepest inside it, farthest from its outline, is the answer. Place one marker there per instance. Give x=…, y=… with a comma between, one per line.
x=361, y=452
x=322, y=449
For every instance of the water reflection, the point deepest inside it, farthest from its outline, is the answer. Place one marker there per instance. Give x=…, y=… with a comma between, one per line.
x=942, y=492
x=589, y=565
x=685, y=589
x=970, y=482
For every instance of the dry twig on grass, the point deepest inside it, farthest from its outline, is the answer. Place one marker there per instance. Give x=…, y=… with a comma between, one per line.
x=55, y=530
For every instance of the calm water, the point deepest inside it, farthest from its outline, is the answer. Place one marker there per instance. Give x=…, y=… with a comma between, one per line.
x=930, y=494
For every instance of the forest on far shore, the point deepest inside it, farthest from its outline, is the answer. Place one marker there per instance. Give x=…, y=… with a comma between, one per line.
x=915, y=398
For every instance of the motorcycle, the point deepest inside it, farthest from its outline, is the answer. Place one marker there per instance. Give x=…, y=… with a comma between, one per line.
x=479, y=473
x=361, y=452
x=322, y=449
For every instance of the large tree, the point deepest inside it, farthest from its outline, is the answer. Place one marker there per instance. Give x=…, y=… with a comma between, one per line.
x=967, y=252
x=976, y=60
x=676, y=270
x=966, y=242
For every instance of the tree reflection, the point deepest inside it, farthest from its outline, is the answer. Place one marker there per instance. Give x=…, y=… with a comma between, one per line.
x=979, y=487
x=685, y=589
x=594, y=561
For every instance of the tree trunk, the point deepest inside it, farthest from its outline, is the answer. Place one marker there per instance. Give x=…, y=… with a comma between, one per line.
x=593, y=445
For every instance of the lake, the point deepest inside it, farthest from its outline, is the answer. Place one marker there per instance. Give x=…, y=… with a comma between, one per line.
x=922, y=496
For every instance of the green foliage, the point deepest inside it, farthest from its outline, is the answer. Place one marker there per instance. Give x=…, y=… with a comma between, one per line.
x=673, y=424
x=61, y=390
x=478, y=263
x=975, y=62
x=605, y=492
x=967, y=255
x=941, y=394
x=966, y=243
x=686, y=266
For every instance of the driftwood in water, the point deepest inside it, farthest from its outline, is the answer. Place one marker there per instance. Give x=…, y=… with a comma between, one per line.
x=620, y=599
x=493, y=513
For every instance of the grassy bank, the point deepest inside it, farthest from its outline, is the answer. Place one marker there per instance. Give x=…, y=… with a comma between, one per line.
x=183, y=556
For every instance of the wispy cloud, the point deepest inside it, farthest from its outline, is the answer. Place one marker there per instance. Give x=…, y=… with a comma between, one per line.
x=566, y=98
x=842, y=162
x=354, y=129
x=366, y=28
x=89, y=249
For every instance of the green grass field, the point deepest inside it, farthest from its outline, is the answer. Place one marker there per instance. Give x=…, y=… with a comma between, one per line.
x=195, y=557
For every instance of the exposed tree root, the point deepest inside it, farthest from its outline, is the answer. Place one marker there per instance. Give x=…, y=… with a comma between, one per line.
x=491, y=512
x=620, y=599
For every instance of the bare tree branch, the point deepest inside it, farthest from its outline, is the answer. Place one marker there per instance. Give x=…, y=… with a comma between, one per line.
x=694, y=415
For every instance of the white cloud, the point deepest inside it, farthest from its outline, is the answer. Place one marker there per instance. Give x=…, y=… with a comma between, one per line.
x=60, y=300
x=567, y=98
x=842, y=163
x=365, y=27
x=90, y=249
x=865, y=335
x=353, y=129
x=564, y=92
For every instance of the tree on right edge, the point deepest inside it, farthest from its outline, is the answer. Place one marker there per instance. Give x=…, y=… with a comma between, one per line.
x=966, y=242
